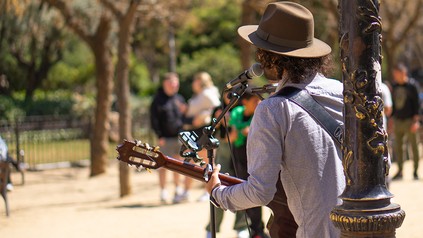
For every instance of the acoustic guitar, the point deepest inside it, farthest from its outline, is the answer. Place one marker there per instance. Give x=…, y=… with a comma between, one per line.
x=142, y=155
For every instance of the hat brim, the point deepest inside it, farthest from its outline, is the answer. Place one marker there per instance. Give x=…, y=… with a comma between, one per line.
x=317, y=49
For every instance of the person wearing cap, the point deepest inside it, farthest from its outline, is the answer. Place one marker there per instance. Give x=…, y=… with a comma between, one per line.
x=285, y=144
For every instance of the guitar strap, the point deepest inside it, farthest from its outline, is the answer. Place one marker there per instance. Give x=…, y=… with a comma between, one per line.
x=315, y=110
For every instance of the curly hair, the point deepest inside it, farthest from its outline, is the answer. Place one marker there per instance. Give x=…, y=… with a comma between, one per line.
x=297, y=69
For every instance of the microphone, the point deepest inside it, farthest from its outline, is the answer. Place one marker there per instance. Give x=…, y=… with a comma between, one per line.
x=254, y=71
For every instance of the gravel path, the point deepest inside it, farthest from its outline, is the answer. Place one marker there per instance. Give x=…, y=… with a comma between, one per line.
x=67, y=203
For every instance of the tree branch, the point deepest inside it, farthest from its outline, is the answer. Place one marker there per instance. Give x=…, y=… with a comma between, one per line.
x=112, y=7
x=414, y=18
x=70, y=19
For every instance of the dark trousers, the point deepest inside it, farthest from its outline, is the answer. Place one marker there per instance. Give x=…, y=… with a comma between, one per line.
x=402, y=130
x=241, y=171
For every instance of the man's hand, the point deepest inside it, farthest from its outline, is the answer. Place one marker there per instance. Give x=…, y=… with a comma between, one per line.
x=214, y=179
x=415, y=127
x=162, y=142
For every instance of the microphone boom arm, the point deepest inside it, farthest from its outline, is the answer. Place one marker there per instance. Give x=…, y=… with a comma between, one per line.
x=206, y=140
x=193, y=142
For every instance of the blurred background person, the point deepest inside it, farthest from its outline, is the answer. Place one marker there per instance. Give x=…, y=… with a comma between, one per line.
x=387, y=104
x=405, y=95
x=166, y=117
x=5, y=157
x=386, y=113
x=205, y=98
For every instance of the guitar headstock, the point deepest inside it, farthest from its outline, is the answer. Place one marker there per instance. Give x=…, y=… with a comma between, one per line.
x=142, y=155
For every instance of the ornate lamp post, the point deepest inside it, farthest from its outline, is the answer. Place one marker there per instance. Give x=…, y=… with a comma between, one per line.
x=367, y=210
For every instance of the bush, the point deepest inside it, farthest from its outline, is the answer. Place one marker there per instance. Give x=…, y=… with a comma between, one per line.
x=9, y=110
x=53, y=103
x=222, y=64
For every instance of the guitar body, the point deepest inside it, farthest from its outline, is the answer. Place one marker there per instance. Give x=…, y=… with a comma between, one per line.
x=142, y=155
x=281, y=224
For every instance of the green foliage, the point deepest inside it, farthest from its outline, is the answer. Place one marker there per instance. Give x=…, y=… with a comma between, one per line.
x=52, y=135
x=207, y=42
x=221, y=63
x=140, y=105
x=9, y=110
x=64, y=76
x=31, y=41
x=54, y=103
x=53, y=151
x=76, y=69
x=58, y=102
x=139, y=78
x=211, y=25
x=83, y=105
x=9, y=67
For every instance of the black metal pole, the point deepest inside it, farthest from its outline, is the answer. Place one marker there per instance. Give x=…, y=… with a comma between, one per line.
x=207, y=141
x=366, y=210
x=210, y=155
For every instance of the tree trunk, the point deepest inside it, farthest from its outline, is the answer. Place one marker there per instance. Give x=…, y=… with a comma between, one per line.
x=247, y=18
x=126, y=27
x=30, y=85
x=100, y=136
x=100, y=46
x=390, y=57
x=104, y=83
x=123, y=93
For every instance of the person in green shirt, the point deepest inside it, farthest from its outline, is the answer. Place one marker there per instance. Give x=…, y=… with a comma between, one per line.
x=240, y=121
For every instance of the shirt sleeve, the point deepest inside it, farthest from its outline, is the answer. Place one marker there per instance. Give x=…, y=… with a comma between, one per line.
x=264, y=152
x=415, y=99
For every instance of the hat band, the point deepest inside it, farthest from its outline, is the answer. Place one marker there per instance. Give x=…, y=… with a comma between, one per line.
x=282, y=42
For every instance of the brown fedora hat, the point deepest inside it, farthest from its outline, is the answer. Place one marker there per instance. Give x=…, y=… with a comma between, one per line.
x=286, y=28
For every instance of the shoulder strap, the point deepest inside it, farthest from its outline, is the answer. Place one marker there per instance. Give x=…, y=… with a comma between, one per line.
x=317, y=111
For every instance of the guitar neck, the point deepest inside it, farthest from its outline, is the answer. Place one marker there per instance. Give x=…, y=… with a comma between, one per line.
x=143, y=155
x=197, y=172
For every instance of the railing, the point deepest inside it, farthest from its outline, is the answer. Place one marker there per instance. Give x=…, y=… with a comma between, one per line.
x=51, y=141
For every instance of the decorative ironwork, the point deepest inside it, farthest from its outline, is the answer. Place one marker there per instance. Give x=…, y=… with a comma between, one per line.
x=366, y=210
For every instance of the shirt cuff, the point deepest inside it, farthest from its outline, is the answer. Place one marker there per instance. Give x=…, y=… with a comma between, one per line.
x=213, y=196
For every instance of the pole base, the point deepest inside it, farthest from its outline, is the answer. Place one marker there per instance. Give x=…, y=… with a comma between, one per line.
x=378, y=222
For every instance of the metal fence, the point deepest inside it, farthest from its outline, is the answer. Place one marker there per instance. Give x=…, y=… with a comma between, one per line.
x=53, y=141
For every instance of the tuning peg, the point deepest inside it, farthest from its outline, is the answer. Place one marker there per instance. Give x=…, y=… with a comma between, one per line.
x=139, y=168
x=129, y=165
x=156, y=148
x=147, y=146
x=138, y=142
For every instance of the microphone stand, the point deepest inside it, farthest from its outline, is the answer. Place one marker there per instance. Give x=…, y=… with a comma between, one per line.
x=210, y=143
x=267, y=88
